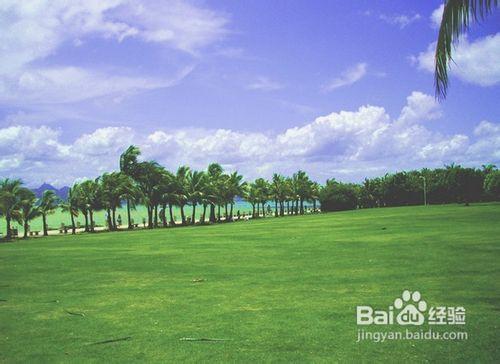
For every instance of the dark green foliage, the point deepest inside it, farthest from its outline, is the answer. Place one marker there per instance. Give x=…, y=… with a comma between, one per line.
x=336, y=196
x=452, y=184
x=492, y=185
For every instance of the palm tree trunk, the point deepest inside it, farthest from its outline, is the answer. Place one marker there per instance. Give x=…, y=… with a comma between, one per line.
x=258, y=210
x=73, y=228
x=129, y=219
x=150, y=217
x=91, y=218
x=9, y=231
x=218, y=213
x=282, y=208
x=44, y=221
x=314, y=205
x=212, y=212
x=171, y=212
x=225, y=213
x=113, y=211
x=231, y=213
x=275, y=208
x=156, y=216
x=202, y=220
x=86, y=221
x=108, y=219
x=302, y=206
x=164, y=215
x=183, y=217
x=26, y=228
x=193, y=216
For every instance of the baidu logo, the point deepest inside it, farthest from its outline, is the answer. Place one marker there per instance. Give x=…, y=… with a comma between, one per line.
x=410, y=309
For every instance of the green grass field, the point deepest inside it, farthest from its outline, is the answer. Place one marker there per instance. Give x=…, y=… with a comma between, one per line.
x=278, y=290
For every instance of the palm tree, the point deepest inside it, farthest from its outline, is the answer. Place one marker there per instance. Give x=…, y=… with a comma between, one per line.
x=214, y=173
x=180, y=182
x=278, y=191
x=47, y=205
x=129, y=164
x=27, y=210
x=457, y=16
x=234, y=187
x=9, y=201
x=167, y=189
x=294, y=196
x=289, y=195
x=262, y=187
x=148, y=177
x=208, y=196
x=315, y=189
x=252, y=197
x=81, y=203
x=129, y=167
x=90, y=196
x=195, y=182
x=303, y=188
x=132, y=196
x=114, y=187
x=220, y=193
x=71, y=206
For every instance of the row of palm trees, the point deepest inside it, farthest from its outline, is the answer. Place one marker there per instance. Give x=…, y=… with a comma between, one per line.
x=159, y=190
x=18, y=203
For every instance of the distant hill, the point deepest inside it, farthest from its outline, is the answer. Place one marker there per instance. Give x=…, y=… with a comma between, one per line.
x=61, y=192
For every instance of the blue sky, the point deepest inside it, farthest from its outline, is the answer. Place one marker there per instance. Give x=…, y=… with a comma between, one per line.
x=340, y=89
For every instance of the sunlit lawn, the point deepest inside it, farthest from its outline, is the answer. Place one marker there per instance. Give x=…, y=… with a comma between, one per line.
x=277, y=290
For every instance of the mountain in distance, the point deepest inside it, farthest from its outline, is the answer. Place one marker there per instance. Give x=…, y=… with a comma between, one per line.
x=62, y=192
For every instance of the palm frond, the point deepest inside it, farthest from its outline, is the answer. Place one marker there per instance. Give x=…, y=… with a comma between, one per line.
x=457, y=17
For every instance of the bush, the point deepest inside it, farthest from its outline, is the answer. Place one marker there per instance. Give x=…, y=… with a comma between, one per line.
x=337, y=196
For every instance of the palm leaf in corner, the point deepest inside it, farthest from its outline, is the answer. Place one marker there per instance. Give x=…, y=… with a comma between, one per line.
x=457, y=16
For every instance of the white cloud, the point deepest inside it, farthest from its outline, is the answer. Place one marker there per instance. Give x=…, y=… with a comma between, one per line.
x=485, y=128
x=475, y=62
x=265, y=84
x=401, y=20
x=436, y=16
x=348, y=77
x=345, y=144
x=33, y=30
x=103, y=141
x=487, y=145
x=72, y=84
x=419, y=107
x=28, y=143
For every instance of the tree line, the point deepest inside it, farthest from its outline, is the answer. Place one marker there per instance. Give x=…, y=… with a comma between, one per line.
x=451, y=184
x=214, y=192
x=149, y=184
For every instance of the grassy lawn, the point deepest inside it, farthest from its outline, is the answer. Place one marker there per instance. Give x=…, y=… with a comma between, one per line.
x=279, y=290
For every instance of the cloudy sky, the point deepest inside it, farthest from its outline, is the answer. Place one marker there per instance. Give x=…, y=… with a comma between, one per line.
x=341, y=89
